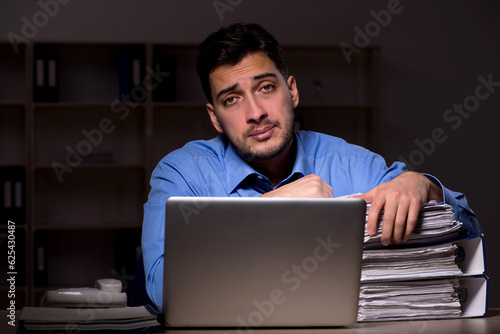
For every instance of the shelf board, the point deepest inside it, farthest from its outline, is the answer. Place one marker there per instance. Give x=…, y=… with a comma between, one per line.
x=18, y=287
x=19, y=226
x=105, y=104
x=103, y=165
x=179, y=104
x=90, y=227
x=338, y=106
x=12, y=103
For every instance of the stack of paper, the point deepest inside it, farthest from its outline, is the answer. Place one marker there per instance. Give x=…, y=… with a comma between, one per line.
x=435, y=223
x=86, y=319
x=410, y=263
x=412, y=299
x=409, y=282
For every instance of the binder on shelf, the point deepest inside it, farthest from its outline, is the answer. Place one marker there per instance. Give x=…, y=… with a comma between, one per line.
x=19, y=266
x=124, y=77
x=131, y=74
x=166, y=88
x=12, y=195
x=40, y=270
x=127, y=244
x=46, y=79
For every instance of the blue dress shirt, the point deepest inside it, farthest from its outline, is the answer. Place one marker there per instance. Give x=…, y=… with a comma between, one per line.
x=213, y=168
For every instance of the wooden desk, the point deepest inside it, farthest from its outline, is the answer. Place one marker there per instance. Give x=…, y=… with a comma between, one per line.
x=488, y=325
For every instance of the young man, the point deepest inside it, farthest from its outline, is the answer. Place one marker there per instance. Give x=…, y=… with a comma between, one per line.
x=251, y=98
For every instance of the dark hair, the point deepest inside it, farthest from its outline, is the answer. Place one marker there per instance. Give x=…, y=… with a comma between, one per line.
x=229, y=45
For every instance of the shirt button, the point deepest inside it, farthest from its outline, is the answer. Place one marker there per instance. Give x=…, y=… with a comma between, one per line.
x=259, y=177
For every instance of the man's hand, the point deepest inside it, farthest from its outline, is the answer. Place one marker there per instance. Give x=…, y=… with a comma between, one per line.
x=308, y=186
x=401, y=198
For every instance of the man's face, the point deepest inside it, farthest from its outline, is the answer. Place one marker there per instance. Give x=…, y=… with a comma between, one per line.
x=253, y=105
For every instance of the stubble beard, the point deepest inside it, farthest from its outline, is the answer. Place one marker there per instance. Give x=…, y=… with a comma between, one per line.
x=249, y=154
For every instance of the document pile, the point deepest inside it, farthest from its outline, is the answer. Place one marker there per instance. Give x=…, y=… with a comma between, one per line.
x=87, y=319
x=412, y=299
x=432, y=275
x=436, y=223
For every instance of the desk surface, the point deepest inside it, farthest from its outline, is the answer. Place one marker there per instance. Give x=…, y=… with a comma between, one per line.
x=487, y=325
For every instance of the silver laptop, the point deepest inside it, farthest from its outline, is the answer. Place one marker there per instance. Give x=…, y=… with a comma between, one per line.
x=262, y=262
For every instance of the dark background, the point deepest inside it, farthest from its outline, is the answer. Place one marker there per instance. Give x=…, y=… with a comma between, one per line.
x=433, y=53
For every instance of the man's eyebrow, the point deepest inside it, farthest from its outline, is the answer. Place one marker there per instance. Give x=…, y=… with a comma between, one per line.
x=255, y=78
x=225, y=90
x=265, y=75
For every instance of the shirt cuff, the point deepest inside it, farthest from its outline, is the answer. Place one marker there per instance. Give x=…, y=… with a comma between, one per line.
x=446, y=197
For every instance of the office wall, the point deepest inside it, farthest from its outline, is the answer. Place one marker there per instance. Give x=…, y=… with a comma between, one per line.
x=435, y=54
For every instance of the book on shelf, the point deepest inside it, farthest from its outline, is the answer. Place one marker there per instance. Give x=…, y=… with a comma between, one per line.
x=435, y=274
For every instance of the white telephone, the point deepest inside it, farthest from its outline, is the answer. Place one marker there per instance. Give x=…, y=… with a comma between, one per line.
x=106, y=293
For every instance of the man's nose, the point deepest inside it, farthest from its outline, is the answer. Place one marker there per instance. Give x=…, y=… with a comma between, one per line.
x=255, y=112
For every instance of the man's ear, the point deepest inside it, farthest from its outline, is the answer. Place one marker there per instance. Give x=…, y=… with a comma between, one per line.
x=213, y=118
x=294, y=92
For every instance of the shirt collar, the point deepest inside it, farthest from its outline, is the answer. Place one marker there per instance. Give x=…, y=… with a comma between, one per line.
x=237, y=169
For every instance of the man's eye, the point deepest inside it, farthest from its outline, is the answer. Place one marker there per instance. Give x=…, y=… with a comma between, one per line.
x=229, y=100
x=267, y=88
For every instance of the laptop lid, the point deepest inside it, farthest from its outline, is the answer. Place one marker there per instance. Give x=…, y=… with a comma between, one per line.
x=262, y=262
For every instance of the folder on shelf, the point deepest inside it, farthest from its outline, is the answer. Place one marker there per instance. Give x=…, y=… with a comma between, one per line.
x=40, y=271
x=12, y=194
x=165, y=86
x=124, y=77
x=20, y=257
x=130, y=74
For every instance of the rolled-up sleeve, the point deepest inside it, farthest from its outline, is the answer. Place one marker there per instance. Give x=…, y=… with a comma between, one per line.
x=458, y=202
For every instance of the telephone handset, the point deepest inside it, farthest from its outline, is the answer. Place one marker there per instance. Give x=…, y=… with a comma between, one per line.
x=106, y=293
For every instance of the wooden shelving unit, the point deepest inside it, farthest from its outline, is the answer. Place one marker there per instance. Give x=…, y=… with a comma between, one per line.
x=84, y=223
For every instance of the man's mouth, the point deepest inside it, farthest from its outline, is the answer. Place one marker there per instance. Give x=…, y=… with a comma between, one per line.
x=262, y=133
